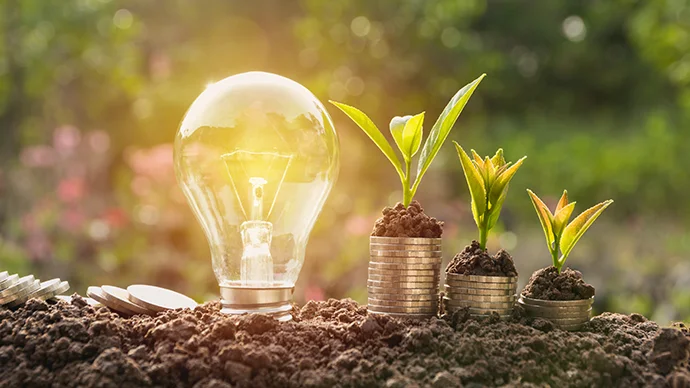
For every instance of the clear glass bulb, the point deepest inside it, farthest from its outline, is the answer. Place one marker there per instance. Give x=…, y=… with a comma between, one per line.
x=256, y=156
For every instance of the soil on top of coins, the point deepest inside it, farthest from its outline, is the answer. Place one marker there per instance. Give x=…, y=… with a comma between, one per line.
x=473, y=260
x=548, y=284
x=329, y=344
x=400, y=221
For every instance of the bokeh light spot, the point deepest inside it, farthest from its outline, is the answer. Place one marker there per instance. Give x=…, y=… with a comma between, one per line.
x=123, y=19
x=574, y=28
x=360, y=26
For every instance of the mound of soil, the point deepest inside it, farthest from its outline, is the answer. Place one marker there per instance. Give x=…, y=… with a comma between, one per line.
x=329, y=344
x=548, y=284
x=473, y=260
x=399, y=221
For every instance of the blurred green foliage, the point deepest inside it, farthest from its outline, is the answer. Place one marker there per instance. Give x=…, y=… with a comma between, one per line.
x=597, y=93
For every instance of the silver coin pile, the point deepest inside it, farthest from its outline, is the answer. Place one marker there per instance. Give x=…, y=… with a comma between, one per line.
x=139, y=299
x=565, y=314
x=482, y=294
x=16, y=290
x=404, y=275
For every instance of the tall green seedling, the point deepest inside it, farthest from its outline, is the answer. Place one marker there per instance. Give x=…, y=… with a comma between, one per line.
x=407, y=133
x=562, y=236
x=488, y=181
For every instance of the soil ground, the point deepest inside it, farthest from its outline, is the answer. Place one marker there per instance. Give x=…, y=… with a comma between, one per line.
x=548, y=284
x=473, y=260
x=399, y=221
x=329, y=344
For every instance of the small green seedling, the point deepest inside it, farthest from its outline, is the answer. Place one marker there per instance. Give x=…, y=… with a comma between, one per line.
x=407, y=133
x=560, y=237
x=488, y=181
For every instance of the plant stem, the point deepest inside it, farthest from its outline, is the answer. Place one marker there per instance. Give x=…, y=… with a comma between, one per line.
x=483, y=235
x=407, y=192
x=554, y=255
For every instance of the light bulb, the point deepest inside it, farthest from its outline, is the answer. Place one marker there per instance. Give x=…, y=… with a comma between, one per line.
x=256, y=156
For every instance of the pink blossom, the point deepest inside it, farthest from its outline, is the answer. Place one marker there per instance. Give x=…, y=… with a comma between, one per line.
x=38, y=156
x=357, y=225
x=71, y=190
x=115, y=217
x=66, y=139
x=72, y=220
x=314, y=292
x=99, y=141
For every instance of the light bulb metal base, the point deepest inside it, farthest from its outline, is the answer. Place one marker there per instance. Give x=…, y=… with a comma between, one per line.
x=275, y=301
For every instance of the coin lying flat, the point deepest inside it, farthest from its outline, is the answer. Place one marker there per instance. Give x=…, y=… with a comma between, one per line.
x=402, y=273
x=482, y=279
x=484, y=286
x=403, y=247
x=401, y=316
x=399, y=285
x=402, y=303
x=159, y=299
x=404, y=297
x=415, y=279
x=8, y=282
x=97, y=294
x=476, y=291
x=120, y=297
x=479, y=305
x=18, y=285
x=46, y=288
x=411, y=310
x=403, y=266
x=22, y=296
x=405, y=254
x=408, y=260
x=482, y=298
x=405, y=291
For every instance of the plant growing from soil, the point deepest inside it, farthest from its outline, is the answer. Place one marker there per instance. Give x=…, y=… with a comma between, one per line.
x=488, y=181
x=407, y=133
x=562, y=236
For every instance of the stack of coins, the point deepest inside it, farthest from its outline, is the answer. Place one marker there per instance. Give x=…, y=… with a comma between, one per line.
x=564, y=314
x=139, y=299
x=15, y=290
x=482, y=294
x=404, y=274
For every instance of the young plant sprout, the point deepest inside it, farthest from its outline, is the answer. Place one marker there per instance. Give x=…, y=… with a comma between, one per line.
x=488, y=181
x=560, y=237
x=407, y=133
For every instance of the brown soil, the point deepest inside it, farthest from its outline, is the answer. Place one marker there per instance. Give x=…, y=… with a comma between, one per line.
x=474, y=260
x=330, y=344
x=548, y=284
x=399, y=221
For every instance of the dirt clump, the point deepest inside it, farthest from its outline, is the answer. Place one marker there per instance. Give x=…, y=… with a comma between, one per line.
x=400, y=221
x=473, y=260
x=335, y=343
x=548, y=284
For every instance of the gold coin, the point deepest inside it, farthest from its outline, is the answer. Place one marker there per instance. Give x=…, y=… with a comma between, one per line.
x=404, y=310
x=398, y=285
x=405, y=254
x=403, y=247
x=482, y=279
x=482, y=286
x=402, y=273
x=403, y=303
x=405, y=291
x=405, y=297
x=405, y=240
x=460, y=291
x=416, y=279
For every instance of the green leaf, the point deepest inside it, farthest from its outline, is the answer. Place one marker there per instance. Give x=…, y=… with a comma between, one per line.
x=439, y=132
x=373, y=132
x=574, y=231
x=502, y=180
x=397, y=127
x=498, y=160
x=562, y=202
x=561, y=218
x=474, y=182
x=412, y=134
x=545, y=218
x=495, y=211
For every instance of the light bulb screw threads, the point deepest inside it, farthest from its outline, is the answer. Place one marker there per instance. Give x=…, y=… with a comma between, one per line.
x=275, y=301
